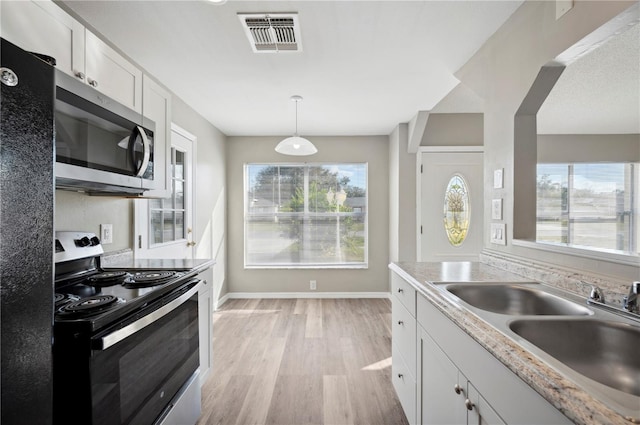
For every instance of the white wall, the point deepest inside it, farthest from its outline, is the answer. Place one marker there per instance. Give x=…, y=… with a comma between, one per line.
x=502, y=72
x=371, y=149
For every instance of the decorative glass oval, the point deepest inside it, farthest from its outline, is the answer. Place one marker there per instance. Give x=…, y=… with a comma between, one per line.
x=456, y=210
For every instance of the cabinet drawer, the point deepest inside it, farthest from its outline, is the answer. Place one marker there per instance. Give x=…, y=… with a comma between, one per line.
x=404, y=334
x=404, y=385
x=405, y=293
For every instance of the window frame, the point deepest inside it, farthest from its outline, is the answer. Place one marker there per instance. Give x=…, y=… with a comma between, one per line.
x=307, y=165
x=625, y=256
x=173, y=209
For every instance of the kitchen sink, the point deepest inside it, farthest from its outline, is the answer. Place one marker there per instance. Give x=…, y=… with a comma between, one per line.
x=604, y=351
x=515, y=299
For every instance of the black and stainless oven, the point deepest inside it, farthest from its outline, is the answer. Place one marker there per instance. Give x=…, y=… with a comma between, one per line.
x=101, y=145
x=126, y=347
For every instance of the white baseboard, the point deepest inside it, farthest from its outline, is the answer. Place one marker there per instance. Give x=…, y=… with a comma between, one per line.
x=249, y=295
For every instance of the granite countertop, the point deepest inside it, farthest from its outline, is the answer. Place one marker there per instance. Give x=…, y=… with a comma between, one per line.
x=567, y=396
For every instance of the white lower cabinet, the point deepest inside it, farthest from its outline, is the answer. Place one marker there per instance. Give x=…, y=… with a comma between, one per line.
x=403, y=354
x=205, y=318
x=404, y=383
x=496, y=395
x=447, y=397
x=446, y=377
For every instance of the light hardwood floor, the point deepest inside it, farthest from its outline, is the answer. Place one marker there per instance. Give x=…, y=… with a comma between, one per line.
x=302, y=361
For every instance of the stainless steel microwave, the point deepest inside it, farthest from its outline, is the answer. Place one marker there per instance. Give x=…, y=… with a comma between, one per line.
x=101, y=145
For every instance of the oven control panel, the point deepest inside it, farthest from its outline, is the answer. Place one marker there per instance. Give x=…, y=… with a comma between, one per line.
x=71, y=245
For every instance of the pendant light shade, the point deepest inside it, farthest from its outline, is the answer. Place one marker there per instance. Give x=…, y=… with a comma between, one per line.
x=296, y=145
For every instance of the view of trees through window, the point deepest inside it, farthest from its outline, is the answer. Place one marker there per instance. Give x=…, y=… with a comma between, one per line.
x=589, y=205
x=306, y=215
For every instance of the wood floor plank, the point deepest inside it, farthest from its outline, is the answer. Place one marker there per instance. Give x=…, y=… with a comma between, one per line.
x=313, y=328
x=336, y=400
x=256, y=404
x=304, y=361
x=297, y=399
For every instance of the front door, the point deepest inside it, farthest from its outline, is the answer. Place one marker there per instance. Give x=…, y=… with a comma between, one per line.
x=164, y=227
x=451, y=206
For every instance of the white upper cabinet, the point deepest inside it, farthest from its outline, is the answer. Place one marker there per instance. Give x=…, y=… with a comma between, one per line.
x=157, y=107
x=112, y=74
x=42, y=27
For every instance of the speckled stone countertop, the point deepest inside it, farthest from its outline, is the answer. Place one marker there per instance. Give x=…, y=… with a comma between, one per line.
x=570, y=398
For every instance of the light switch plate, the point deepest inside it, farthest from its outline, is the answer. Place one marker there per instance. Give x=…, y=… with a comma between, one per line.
x=498, y=178
x=496, y=209
x=499, y=233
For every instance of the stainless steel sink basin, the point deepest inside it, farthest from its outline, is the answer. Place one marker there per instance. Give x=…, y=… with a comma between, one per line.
x=516, y=300
x=604, y=351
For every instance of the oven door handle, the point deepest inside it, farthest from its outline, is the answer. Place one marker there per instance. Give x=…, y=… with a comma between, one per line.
x=113, y=338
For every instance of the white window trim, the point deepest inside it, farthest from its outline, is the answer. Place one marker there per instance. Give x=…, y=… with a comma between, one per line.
x=354, y=266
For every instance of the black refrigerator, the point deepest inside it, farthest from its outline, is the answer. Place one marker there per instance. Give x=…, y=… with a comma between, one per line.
x=26, y=236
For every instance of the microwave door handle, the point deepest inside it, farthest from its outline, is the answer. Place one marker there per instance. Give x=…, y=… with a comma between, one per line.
x=146, y=147
x=115, y=337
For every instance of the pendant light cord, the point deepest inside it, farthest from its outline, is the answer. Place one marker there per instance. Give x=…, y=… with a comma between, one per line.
x=296, y=133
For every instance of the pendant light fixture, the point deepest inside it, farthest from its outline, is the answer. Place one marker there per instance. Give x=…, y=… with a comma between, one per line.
x=296, y=145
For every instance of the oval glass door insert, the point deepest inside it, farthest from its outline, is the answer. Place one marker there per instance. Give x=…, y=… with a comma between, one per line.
x=456, y=210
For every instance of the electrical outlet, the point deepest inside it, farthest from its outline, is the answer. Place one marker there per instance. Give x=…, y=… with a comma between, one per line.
x=106, y=233
x=312, y=285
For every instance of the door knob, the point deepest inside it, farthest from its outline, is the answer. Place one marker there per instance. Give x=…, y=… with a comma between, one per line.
x=191, y=243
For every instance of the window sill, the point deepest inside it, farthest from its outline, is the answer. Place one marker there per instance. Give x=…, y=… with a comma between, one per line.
x=594, y=254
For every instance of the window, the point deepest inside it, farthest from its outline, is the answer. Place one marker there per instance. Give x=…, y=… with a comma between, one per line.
x=589, y=205
x=167, y=215
x=305, y=215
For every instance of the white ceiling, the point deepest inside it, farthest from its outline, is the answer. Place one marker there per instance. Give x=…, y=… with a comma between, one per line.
x=365, y=66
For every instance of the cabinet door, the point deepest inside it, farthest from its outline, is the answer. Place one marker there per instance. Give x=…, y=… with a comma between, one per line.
x=112, y=74
x=42, y=27
x=156, y=105
x=205, y=329
x=440, y=403
x=481, y=413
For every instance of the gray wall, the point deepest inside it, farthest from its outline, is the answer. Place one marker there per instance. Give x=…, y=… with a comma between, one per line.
x=371, y=149
x=79, y=211
x=502, y=72
x=453, y=130
x=588, y=147
x=210, y=208
x=402, y=197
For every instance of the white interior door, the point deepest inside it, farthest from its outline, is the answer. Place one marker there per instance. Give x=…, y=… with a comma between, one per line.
x=164, y=227
x=438, y=169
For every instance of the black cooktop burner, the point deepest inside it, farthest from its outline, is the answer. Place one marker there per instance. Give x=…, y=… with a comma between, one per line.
x=107, y=279
x=145, y=279
x=90, y=305
x=62, y=299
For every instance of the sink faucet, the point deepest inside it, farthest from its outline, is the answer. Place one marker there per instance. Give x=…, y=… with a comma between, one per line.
x=630, y=302
x=596, y=294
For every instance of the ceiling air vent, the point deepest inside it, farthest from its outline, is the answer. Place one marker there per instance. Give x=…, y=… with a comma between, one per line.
x=273, y=32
